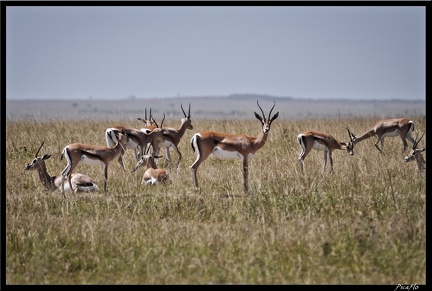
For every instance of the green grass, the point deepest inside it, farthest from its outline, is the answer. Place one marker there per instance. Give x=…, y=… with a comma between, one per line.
x=364, y=224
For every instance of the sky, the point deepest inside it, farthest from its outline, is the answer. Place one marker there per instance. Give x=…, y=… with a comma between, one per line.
x=117, y=52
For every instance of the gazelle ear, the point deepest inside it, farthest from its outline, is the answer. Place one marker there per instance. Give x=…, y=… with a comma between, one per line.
x=422, y=150
x=259, y=117
x=46, y=157
x=274, y=117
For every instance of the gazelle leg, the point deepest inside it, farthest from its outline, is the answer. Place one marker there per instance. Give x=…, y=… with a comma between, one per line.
x=179, y=158
x=201, y=157
x=245, y=175
x=405, y=144
x=120, y=160
x=105, y=179
x=382, y=144
x=325, y=161
x=331, y=161
x=168, y=155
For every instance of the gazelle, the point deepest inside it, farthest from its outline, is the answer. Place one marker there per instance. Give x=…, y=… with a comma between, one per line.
x=173, y=136
x=416, y=154
x=230, y=146
x=149, y=124
x=137, y=139
x=315, y=140
x=152, y=175
x=92, y=155
x=80, y=182
x=401, y=127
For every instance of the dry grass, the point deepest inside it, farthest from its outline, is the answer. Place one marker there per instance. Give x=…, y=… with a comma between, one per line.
x=364, y=224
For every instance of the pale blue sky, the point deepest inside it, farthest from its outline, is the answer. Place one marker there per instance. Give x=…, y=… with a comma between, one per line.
x=375, y=52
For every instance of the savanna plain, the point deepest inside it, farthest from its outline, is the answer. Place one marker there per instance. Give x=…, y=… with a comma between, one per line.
x=363, y=224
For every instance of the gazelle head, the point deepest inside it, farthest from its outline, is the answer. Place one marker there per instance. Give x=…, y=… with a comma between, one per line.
x=147, y=161
x=150, y=121
x=350, y=146
x=38, y=162
x=147, y=121
x=414, y=150
x=266, y=122
x=186, y=118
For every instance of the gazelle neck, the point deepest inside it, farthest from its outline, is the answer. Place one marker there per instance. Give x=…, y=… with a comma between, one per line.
x=364, y=136
x=45, y=178
x=421, y=163
x=260, y=140
x=182, y=129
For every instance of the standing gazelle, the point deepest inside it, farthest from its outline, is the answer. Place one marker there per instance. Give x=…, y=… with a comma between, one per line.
x=230, y=146
x=80, y=182
x=416, y=154
x=92, y=155
x=401, y=127
x=172, y=137
x=137, y=139
x=314, y=140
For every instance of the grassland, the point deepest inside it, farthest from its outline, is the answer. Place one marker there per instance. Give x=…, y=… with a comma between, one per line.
x=364, y=224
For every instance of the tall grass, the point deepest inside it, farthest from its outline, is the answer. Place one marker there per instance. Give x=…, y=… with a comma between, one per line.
x=364, y=224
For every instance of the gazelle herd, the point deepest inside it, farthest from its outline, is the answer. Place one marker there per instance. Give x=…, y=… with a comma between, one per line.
x=222, y=145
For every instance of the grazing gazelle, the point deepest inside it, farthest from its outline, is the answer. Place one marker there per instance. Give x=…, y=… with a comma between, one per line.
x=173, y=136
x=80, y=182
x=137, y=139
x=152, y=175
x=230, y=146
x=314, y=140
x=416, y=154
x=92, y=155
x=401, y=127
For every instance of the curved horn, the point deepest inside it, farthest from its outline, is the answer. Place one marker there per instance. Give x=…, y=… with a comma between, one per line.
x=271, y=109
x=39, y=149
x=263, y=115
x=154, y=121
x=417, y=141
x=181, y=105
x=349, y=133
x=162, y=120
x=188, y=117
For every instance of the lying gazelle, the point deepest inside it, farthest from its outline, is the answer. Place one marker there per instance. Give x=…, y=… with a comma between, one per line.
x=92, y=155
x=173, y=136
x=416, y=154
x=230, y=146
x=314, y=140
x=80, y=182
x=138, y=140
x=401, y=127
x=152, y=175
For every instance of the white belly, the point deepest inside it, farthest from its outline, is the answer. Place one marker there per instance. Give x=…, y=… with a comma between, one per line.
x=88, y=161
x=131, y=144
x=391, y=133
x=319, y=147
x=165, y=144
x=221, y=154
